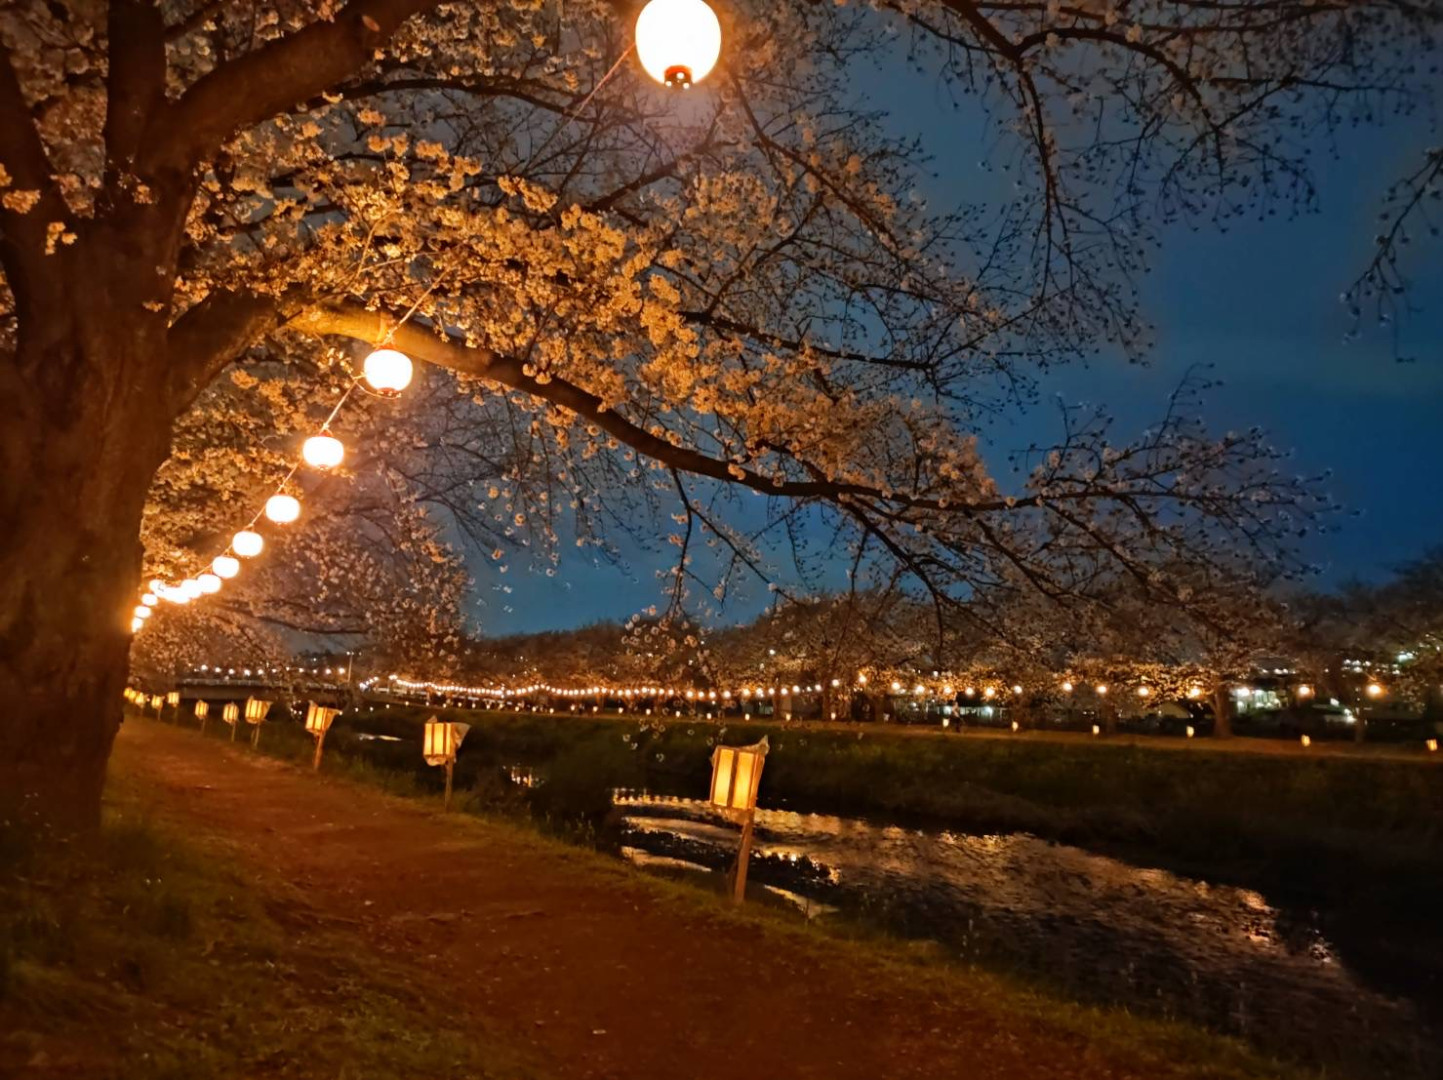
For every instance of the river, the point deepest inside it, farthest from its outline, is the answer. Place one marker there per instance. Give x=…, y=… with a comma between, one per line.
x=1094, y=927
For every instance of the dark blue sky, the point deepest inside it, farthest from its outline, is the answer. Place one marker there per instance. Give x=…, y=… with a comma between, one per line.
x=1259, y=304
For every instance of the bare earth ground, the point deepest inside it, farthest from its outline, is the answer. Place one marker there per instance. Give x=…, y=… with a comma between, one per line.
x=599, y=971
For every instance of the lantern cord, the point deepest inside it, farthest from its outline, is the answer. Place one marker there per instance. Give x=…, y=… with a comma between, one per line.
x=326, y=427
x=404, y=319
x=572, y=115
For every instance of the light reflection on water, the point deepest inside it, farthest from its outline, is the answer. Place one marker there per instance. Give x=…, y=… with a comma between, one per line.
x=1102, y=928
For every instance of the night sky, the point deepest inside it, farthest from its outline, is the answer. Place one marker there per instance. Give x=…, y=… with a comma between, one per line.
x=1259, y=304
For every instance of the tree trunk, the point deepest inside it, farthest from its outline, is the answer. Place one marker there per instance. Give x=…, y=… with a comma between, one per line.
x=1222, y=713
x=85, y=427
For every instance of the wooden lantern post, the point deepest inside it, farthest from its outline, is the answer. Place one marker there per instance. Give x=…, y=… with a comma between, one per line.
x=318, y=722
x=231, y=714
x=442, y=741
x=735, y=773
x=256, y=710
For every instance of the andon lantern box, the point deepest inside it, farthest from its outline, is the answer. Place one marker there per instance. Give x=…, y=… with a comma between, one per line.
x=443, y=739
x=318, y=718
x=202, y=710
x=231, y=713
x=173, y=698
x=735, y=773
x=256, y=710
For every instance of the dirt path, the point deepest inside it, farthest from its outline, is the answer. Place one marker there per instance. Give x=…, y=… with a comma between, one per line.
x=588, y=964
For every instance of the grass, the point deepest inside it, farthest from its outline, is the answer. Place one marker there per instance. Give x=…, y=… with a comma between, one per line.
x=141, y=954
x=1366, y=842
x=1355, y=831
x=1166, y=1047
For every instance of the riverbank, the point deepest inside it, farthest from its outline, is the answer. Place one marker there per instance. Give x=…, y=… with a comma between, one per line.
x=595, y=970
x=149, y=952
x=559, y=774
x=1208, y=802
x=1355, y=841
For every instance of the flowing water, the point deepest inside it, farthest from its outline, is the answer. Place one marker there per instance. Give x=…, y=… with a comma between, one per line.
x=1096, y=927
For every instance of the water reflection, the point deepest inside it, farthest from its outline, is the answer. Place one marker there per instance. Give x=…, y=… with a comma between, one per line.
x=1101, y=928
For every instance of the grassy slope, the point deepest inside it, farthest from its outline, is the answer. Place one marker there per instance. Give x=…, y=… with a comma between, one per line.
x=1184, y=1048
x=141, y=953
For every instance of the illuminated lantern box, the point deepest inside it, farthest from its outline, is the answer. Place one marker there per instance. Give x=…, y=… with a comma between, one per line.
x=441, y=742
x=256, y=710
x=318, y=722
x=735, y=773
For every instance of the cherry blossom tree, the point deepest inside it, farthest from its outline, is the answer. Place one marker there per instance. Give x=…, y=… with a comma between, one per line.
x=645, y=301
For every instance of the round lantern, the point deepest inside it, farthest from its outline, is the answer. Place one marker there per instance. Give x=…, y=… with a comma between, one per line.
x=150, y=599
x=283, y=509
x=190, y=588
x=209, y=583
x=247, y=544
x=323, y=451
x=136, y=624
x=388, y=371
x=678, y=41
x=142, y=612
x=225, y=566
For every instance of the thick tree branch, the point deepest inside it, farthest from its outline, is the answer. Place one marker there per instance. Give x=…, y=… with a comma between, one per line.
x=136, y=83
x=257, y=86
x=23, y=228
x=211, y=335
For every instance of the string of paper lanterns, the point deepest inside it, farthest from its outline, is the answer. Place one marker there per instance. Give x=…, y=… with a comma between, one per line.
x=678, y=43
x=387, y=372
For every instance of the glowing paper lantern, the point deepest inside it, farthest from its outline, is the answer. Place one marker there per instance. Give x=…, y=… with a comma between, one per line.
x=735, y=773
x=191, y=588
x=247, y=544
x=225, y=566
x=318, y=722
x=442, y=741
x=202, y=710
x=173, y=698
x=209, y=583
x=256, y=710
x=231, y=713
x=283, y=509
x=142, y=612
x=318, y=718
x=150, y=599
x=323, y=451
x=136, y=624
x=388, y=371
x=678, y=41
